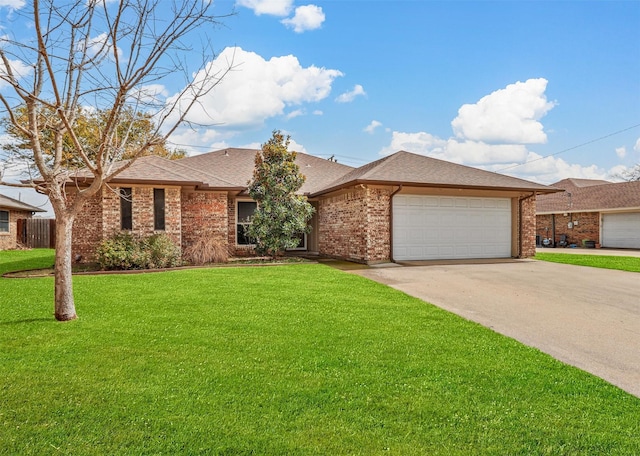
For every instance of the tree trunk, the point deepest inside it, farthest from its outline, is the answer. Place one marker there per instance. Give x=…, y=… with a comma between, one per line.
x=64, y=303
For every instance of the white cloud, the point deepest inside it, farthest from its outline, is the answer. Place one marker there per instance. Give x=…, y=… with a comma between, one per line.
x=419, y=143
x=151, y=93
x=548, y=170
x=318, y=112
x=100, y=45
x=621, y=152
x=295, y=113
x=636, y=148
x=508, y=116
x=270, y=7
x=371, y=128
x=308, y=17
x=348, y=97
x=13, y=4
x=19, y=69
x=294, y=146
x=258, y=89
x=516, y=110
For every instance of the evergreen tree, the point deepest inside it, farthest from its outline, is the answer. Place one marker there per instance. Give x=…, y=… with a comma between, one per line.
x=282, y=215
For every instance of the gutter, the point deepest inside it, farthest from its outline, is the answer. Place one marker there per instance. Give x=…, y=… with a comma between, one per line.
x=431, y=185
x=391, y=222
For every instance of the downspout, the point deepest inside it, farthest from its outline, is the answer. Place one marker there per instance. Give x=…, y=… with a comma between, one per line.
x=391, y=222
x=521, y=226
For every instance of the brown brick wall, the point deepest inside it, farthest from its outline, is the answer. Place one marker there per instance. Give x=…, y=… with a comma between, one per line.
x=100, y=218
x=378, y=225
x=87, y=228
x=588, y=227
x=8, y=239
x=204, y=213
x=355, y=225
x=341, y=226
x=527, y=230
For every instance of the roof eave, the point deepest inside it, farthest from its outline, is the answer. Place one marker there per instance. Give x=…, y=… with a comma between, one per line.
x=602, y=210
x=197, y=184
x=432, y=185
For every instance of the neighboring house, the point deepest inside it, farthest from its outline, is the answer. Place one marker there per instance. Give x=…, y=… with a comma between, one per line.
x=10, y=211
x=604, y=212
x=401, y=207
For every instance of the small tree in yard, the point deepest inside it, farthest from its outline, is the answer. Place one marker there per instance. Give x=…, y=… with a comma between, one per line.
x=281, y=215
x=85, y=86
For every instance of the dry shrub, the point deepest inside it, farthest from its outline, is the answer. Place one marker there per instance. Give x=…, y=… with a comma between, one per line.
x=206, y=250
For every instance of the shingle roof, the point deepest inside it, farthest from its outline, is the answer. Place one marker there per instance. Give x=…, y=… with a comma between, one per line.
x=232, y=169
x=10, y=203
x=161, y=170
x=236, y=165
x=590, y=197
x=417, y=170
x=575, y=183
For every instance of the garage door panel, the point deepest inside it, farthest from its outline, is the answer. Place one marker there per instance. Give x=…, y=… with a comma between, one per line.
x=621, y=230
x=451, y=227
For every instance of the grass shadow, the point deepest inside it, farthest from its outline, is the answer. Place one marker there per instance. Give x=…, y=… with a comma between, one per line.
x=25, y=321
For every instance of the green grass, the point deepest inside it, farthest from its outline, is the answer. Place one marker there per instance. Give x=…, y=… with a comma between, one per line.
x=631, y=264
x=297, y=359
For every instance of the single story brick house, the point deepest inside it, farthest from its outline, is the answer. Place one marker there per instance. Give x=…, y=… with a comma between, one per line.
x=607, y=213
x=401, y=207
x=10, y=211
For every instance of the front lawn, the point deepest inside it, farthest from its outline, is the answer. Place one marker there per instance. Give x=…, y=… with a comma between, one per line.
x=623, y=263
x=297, y=359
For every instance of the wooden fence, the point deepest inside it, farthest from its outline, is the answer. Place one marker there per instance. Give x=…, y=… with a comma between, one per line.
x=37, y=233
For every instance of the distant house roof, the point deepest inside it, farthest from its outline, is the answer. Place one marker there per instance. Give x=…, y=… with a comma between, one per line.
x=10, y=203
x=407, y=168
x=584, y=195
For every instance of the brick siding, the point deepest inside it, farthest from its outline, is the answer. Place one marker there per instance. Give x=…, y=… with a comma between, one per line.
x=527, y=225
x=355, y=225
x=100, y=218
x=87, y=228
x=204, y=214
x=9, y=239
x=588, y=227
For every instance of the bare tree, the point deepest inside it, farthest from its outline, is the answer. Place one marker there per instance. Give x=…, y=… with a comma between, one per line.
x=104, y=55
x=631, y=174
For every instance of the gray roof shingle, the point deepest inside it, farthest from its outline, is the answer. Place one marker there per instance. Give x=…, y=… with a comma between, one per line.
x=236, y=165
x=10, y=203
x=232, y=169
x=582, y=195
x=418, y=170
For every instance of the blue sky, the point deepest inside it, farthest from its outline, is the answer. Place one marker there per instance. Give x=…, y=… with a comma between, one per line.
x=507, y=86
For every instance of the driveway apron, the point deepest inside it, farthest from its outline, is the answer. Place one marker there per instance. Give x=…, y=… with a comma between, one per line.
x=586, y=317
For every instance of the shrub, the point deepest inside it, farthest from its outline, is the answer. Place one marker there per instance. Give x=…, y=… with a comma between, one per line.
x=161, y=252
x=206, y=250
x=125, y=251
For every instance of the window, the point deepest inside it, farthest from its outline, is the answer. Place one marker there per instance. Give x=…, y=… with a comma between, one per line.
x=126, y=206
x=244, y=213
x=4, y=221
x=158, y=208
x=302, y=242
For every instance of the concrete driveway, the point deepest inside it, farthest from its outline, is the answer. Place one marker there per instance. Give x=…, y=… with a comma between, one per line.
x=586, y=317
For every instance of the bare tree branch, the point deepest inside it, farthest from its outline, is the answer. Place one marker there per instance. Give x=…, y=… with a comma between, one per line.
x=99, y=55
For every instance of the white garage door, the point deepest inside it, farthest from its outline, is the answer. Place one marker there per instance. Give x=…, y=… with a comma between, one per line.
x=443, y=227
x=621, y=230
